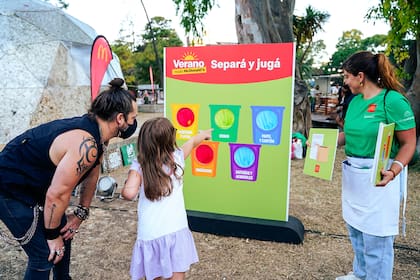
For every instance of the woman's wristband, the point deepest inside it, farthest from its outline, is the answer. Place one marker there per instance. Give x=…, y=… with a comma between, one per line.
x=52, y=233
x=399, y=163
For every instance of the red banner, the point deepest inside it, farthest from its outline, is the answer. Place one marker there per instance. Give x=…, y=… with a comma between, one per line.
x=151, y=79
x=100, y=57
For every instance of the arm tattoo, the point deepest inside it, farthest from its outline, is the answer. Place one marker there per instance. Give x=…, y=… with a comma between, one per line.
x=88, y=152
x=51, y=214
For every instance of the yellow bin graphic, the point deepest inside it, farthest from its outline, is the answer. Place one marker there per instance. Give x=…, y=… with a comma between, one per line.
x=185, y=120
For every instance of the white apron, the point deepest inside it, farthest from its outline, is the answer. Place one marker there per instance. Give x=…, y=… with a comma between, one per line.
x=370, y=209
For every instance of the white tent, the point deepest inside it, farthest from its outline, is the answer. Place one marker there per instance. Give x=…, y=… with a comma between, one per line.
x=44, y=65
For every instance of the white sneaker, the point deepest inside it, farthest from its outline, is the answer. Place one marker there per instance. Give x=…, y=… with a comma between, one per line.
x=349, y=276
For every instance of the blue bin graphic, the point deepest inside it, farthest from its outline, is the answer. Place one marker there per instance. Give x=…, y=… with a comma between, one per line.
x=267, y=124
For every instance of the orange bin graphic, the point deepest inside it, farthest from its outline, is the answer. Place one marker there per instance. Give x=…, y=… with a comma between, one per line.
x=185, y=120
x=204, y=159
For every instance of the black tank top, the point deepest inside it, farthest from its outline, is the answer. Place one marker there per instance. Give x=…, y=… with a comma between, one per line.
x=26, y=170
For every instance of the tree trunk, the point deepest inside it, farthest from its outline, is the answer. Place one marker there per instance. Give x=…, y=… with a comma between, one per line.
x=264, y=21
x=413, y=92
x=271, y=21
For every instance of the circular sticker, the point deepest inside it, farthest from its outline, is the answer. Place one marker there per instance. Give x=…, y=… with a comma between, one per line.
x=204, y=154
x=266, y=120
x=224, y=118
x=185, y=117
x=244, y=157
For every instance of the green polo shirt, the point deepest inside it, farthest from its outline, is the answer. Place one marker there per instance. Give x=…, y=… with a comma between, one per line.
x=364, y=115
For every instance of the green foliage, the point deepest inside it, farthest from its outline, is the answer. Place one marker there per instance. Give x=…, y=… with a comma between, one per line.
x=127, y=61
x=304, y=29
x=136, y=60
x=376, y=43
x=403, y=16
x=160, y=28
x=350, y=42
x=192, y=13
x=146, y=59
x=305, y=68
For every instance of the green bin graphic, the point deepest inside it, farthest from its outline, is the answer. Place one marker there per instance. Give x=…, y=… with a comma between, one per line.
x=225, y=122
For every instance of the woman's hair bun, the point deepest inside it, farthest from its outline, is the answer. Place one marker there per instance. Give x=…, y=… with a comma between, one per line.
x=116, y=82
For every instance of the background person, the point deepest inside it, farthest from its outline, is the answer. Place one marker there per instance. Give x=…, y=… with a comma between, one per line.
x=313, y=94
x=164, y=247
x=40, y=168
x=345, y=96
x=334, y=89
x=371, y=212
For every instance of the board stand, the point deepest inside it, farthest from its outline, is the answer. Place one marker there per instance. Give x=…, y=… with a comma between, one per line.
x=291, y=231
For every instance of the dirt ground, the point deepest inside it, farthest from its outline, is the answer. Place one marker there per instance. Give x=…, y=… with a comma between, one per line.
x=102, y=249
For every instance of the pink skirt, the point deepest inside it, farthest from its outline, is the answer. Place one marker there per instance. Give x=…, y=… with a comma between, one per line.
x=163, y=256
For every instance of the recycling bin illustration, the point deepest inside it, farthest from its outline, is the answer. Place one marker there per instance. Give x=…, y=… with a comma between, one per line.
x=204, y=159
x=185, y=120
x=225, y=122
x=244, y=159
x=267, y=124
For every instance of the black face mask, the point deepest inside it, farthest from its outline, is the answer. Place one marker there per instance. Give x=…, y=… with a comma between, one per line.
x=128, y=131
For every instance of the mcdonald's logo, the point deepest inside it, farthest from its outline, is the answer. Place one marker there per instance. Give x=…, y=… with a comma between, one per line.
x=100, y=57
x=102, y=53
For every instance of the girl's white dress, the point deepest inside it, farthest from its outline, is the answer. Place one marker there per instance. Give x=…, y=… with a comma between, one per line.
x=164, y=241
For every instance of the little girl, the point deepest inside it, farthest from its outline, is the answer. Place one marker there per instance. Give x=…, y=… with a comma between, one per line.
x=164, y=247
